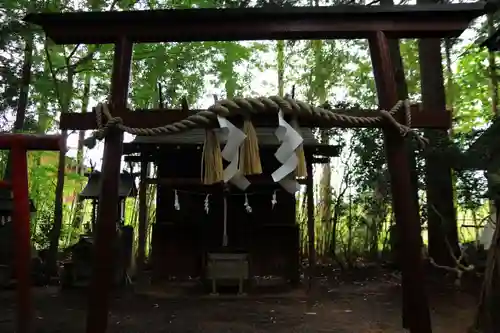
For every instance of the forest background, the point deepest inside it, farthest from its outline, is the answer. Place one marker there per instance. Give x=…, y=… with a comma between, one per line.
x=39, y=80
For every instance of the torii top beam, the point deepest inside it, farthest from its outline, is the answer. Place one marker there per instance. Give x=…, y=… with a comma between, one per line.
x=210, y=24
x=344, y=21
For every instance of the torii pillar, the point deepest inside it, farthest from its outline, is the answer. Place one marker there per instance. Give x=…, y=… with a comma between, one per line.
x=406, y=211
x=107, y=214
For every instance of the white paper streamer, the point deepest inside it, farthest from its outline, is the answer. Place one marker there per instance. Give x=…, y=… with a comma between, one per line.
x=233, y=138
x=290, y=140
x=247, y=205
x=274, y=199
x=177, y=206
x=207, y=204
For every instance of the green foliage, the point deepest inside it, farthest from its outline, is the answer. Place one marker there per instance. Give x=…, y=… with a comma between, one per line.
x=42, y=181
x=472, y=91
x=338, y=72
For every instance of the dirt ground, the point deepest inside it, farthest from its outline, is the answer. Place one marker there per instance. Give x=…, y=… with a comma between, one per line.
x=369, y=306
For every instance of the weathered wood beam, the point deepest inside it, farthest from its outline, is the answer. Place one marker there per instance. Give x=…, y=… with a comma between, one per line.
x=149, y=158
x=147, y=118
x=405, y=21
x=254, y=180
x=190, y=31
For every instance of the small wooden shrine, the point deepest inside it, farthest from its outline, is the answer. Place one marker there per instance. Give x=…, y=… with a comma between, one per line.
x=7, y=230
x=260, y=221
x=78, y=269
x=127, y=189
x=7, y=205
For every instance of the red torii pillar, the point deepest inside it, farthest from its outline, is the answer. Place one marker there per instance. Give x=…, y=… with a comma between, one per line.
x=19, y=144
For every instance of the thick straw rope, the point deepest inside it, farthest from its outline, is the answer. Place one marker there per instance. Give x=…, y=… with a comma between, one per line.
x=249, y=106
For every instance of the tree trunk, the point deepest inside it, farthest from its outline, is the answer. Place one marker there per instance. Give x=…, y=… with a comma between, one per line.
x=79, y=204
x=442, y=232
x=487, y=319
x=55, y=232
x=450, y=91
x=65, y=98
x=378, y=218
x=25, y=83
x=319, y=91
x=280, y=65
x=143, y=219
x=151, y=195
x=24, y=90
x=493, y=70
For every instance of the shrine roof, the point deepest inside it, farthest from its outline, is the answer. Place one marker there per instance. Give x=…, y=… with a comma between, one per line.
x=126, y=188
x=210, y=24
x=196, y=137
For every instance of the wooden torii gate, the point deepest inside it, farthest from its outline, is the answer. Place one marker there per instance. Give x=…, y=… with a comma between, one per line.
x=375, y=23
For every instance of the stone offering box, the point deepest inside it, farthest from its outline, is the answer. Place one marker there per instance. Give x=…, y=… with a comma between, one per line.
x=227, y=269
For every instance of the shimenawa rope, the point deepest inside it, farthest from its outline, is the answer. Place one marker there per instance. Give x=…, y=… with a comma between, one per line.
x=248, y=106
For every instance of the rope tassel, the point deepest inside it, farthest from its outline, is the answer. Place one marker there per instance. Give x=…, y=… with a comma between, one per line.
x=249, y=151
x=212, y=168
x=301, y=171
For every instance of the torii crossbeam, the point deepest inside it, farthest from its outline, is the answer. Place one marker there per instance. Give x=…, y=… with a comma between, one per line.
x=375, y=23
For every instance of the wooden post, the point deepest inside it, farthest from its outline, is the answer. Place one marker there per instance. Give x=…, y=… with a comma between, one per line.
x=107, y=214
x=405, y=209
x=402, y=88
x=310, y=222
x=143, y=213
